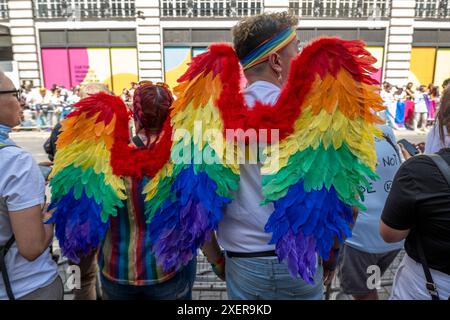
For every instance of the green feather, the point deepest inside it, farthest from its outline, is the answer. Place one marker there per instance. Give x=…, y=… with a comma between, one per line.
x=321, y=167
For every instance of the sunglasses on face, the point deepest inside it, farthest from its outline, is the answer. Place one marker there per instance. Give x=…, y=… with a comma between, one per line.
x=16, y=93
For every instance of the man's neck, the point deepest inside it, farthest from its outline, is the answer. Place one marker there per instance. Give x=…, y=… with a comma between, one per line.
x=252, y=78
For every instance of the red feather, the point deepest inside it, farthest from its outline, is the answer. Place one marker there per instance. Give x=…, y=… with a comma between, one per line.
x=323, y=56
x=126, y=160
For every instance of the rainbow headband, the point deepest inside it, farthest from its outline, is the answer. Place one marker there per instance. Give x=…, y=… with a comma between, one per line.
x=262, y=52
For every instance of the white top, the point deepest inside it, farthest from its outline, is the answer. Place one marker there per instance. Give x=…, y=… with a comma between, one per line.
x=420, y=104
x=400, y=97
x=409, y=282
x=366, y=235
x=434, y=143
x=242, y=228
x=21, y=186
x=387, y=97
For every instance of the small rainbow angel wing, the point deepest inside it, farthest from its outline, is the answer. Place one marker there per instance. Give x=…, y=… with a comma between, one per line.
x=85, y=191
x=185, y=198
x=315, y=172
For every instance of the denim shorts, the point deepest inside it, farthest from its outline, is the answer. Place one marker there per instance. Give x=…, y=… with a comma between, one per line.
x=177, y=288
x=268, y=279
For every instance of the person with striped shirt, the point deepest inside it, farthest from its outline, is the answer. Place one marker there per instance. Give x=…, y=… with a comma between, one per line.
x=128, y=268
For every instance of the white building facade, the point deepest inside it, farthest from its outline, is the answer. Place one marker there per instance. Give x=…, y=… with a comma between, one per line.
x=70, y=42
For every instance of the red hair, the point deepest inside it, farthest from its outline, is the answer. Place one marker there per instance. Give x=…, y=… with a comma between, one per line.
x=151, y=104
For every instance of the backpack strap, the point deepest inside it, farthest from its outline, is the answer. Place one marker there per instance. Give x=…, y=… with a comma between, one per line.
x=430, y=285
x=3, y=251
x=442, y=166
x=2, y=146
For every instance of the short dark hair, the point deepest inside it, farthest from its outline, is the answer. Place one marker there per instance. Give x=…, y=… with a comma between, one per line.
x=446, y=83
x=250, y=32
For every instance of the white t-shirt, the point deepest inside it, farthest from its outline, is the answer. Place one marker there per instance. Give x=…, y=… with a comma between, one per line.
x=434, y=143
x=388, y=98
x=242, y=228
x=21, y=186
x=420, y=104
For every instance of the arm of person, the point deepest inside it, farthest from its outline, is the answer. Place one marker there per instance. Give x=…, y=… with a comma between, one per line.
x=399, y=210
x=32, y=236
x=329, y=266
x=214, y=255
x=24, y=193
x=391, y=235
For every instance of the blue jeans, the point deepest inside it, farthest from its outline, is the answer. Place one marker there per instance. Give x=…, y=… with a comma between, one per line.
x=177, y=288
x=268, y=279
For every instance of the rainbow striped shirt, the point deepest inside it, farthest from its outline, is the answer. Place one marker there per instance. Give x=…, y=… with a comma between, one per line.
x=125, y=256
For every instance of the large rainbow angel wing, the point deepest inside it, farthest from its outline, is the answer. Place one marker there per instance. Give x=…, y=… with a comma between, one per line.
x=85, y=191
x=184, y=200
x=326, y=155
x=324, y=120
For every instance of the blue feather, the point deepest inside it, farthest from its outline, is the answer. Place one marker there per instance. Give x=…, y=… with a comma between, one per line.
x=79, y=227
x=307, y=222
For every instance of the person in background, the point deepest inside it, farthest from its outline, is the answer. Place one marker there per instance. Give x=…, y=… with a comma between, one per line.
x=409, y=106
x=388, y=101
x=438, y=137
x=27, y=90
x=420, y=109
x=74, y=97
x=125, y=96
x=433, y=105
x=418, y=210
x=365, y=248
x=63, y=92
x=27, y=120
x=32, y=273
x=57, y=101
x=133, y=87
x=445, y=84
x=400, y=98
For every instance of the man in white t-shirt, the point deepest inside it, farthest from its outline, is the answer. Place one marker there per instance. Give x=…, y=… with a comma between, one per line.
x=252, y=268
x=31, y=272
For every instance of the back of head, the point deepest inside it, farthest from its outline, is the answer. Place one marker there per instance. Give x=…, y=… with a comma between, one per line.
x=151, y=104
x=92, y=88
x=446, y=83
x=250, y=32
x=434, y=92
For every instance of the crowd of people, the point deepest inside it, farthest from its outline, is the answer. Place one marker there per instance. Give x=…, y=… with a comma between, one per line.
x=44, y=108
x=411, y=108
x=407, y=207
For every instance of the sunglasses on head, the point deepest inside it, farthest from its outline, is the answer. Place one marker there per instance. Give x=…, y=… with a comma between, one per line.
x=151, y=83
x=16, y=93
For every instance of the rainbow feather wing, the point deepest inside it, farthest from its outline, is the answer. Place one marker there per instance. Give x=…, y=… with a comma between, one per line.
x=85, y=192
x=184, y=200
x=315, y=177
